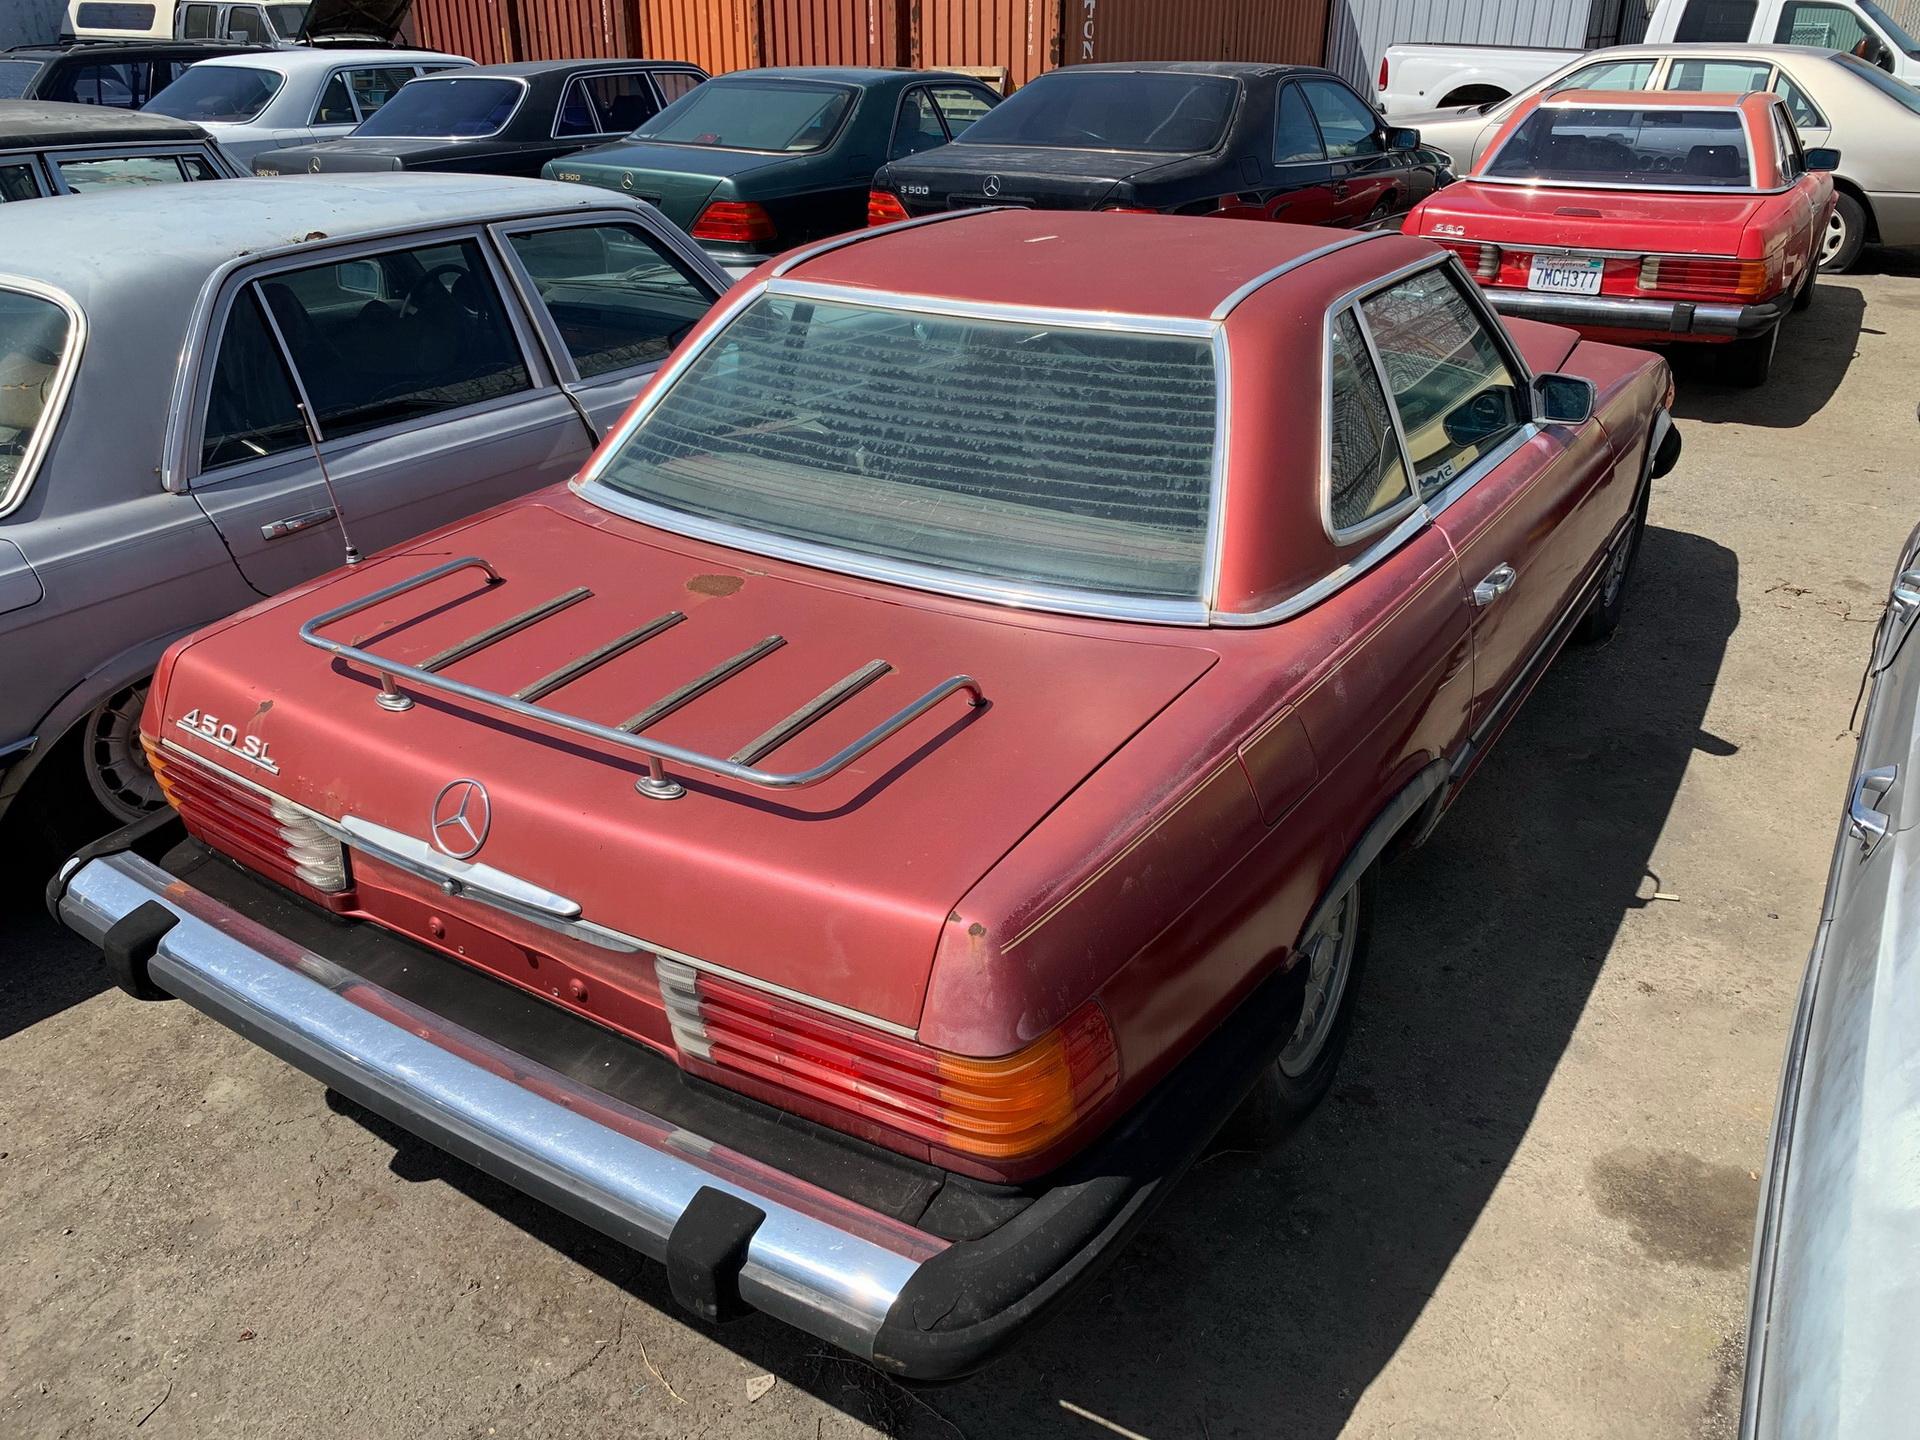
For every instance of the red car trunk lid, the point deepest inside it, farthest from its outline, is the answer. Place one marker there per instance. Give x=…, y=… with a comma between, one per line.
x=836, y=891
x=1570, y=218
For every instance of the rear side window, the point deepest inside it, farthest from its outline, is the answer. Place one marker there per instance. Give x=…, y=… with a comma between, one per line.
x=1798, y=105
x=1296, y=137
x=1348, y=124
x=1733, y=77
x=1366, y=474
x=34, y=335
x=120, y=171
x=1017, y=451
x=1456, y=395
x=113, y=15
x=336, y=103
x=1717, y=20
x=382, y=339
x=674, y=83
x=961, y=105
x=127, y=85
x=617, y=297
x=250, y=407
x=1606, y=75
x=19, y=181
x=917, y=127
x=620, y=102
x=374, y=88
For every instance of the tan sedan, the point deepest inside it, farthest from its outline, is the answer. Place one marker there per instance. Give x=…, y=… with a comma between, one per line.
x=1837, y=101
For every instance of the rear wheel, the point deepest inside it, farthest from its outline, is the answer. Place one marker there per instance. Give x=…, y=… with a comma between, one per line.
x=1603, y=616
x=1845, y=235
x=1334, y=955
x=1750, y=362
x=112, y=761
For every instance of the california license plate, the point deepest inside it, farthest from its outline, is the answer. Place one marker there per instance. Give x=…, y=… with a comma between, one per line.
x=1566, y=274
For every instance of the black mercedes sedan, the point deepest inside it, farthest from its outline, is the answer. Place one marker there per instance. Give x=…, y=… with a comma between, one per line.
x=496, y=119
x=1256, y=141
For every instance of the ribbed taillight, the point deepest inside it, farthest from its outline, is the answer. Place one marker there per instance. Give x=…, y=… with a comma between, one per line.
x=262, y=830
x=1690, y=274
x=884, y=208
x=998, y=1109
x=1483, y=260
x=734, y=222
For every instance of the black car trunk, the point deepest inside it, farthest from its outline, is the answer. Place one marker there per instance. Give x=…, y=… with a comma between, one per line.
x=1040, y=177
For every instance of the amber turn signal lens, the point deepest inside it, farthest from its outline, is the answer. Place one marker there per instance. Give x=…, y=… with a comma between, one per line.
x=157, y=763
x=884, y=208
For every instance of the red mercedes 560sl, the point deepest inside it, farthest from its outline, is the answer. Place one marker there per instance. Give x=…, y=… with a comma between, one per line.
x=859, y=842
x=1646, y=218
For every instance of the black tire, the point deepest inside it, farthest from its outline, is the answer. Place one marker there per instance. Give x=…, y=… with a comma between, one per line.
x=1287, y=1091
x=94, y=780
x=1472, y=95
x=1805, y=297
x=1846, y=234
x=1603, y=615
x=1750, y=362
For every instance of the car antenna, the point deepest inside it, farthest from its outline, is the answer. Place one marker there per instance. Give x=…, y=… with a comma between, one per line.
x=339, y=516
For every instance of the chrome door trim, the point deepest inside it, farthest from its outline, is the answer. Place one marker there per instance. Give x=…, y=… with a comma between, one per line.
x=54, y=409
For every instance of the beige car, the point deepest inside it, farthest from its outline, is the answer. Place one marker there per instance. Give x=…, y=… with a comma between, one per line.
x=1838, y=102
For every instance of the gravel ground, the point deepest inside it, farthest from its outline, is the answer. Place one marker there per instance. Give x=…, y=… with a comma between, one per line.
x=1526, y=1209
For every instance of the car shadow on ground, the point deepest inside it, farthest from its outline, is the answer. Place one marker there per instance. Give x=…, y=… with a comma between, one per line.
x=1273, y=1287
x=1816, y=348
x=44, y=968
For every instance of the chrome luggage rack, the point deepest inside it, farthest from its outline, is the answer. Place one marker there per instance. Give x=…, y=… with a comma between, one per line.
x=742, y=765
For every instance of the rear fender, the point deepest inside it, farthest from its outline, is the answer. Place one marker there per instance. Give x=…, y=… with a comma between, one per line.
x=1412, y=812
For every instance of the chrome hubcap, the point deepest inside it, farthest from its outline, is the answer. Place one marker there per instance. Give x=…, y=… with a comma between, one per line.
x=1329, y=954
x=1835, y=239
x=117, y=769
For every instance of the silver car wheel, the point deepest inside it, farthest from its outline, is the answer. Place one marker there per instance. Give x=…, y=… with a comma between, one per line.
x=1617, y=570
x=1329, y=951
x=116, y=766
x=1835, y=240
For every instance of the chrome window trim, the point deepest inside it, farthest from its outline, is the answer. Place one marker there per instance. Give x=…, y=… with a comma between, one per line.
x=54, y=409
x=1023, y=595
x=859, y=93
x=1819, y=121
x=1234, y=301
x=37, y=166
x=1555, y=102
x=1329, y=584
x=580, y=77
x=1343, y=536
x=450, y=73
x=1279, y=100
x=202, y=350
x=856, y=237
x=150, y=150
x=900, y=108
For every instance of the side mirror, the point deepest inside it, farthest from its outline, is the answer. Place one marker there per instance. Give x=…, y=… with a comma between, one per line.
x=1823, y=159
x=1562, y=399
x=1481, y=416
x=1401, y=138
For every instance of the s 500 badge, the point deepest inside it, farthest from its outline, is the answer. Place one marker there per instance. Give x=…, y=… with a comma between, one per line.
x=226, y=736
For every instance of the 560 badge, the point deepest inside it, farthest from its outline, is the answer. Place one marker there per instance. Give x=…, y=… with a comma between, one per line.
x=213, y=730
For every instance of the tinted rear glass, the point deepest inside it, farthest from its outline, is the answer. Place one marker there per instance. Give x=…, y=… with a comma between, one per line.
x=1894, y=89
x=109, y=15
x=779, y=116
x=230, y=93
x=428, y=108
x=1180, y=114
x=1658, y=145
x=15, y=76
x=1013, y=451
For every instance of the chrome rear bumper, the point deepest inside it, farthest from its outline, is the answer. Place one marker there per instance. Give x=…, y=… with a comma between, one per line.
x=1673, y=317
x=814, y=1259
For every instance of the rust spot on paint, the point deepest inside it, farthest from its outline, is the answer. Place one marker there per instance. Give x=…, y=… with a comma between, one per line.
x=715, y=585
x=976, y=930
x=265, y=705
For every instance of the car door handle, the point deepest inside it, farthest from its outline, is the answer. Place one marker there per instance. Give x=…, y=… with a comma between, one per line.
x=1868, y=825
x=294, y=524
x=1499, y=580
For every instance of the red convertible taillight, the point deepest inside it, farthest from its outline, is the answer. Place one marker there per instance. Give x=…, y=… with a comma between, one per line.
x=1482, y=260
x=884, y=208
x=252, y=826
x=1383, y=75
x=996, y=1109
x=734, y=222
x=1736, y=279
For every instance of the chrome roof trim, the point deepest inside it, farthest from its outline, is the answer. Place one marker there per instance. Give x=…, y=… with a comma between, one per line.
x=996, y=310
x=1227, y=306
x=55, y=406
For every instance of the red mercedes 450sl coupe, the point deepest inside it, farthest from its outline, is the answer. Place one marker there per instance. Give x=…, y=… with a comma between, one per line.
x=1645, y=218
x=859, y=841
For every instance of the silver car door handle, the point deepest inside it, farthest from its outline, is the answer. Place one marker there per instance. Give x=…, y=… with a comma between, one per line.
x=1868, y=825
x=1499, y=580
x=294, y=524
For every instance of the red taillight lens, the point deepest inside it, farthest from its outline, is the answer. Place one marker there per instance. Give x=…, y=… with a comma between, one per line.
x=734, y=222
x=884, y=208
x=1383, y=75
x=1736, y=279
x=997, y=1109
x=252, y=826
x=1482, y=260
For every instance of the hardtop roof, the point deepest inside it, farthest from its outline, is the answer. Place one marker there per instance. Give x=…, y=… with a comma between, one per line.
x=300, y=61
x=1172, y=266
x=51, y=122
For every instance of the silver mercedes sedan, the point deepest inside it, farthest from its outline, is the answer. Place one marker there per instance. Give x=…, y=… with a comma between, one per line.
x=1836, y=1275
x=201, y=385
x=1838, y=102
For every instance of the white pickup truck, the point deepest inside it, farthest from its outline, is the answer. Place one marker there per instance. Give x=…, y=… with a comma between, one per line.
x=1431, y=77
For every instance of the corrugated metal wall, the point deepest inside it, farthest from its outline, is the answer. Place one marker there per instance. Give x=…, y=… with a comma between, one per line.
x=1285, y=30
x=717, y=35
x=1022, y=35
x=1358, y=30
x=832, y=32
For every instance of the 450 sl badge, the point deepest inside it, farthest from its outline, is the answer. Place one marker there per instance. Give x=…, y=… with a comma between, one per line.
x=215, y=731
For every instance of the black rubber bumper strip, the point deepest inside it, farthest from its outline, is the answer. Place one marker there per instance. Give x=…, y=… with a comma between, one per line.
x=966, y=1304
x=705, y=1251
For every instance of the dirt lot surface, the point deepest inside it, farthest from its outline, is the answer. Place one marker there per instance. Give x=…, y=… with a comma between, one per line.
x=1526, y=1210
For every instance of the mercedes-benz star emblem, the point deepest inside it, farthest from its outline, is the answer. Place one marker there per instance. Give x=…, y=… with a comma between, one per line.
x=626, y=180
x=313, y=165
x=462, y=814
x=992, y=185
